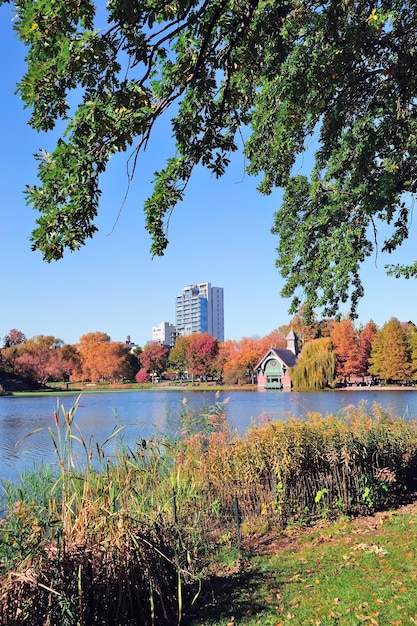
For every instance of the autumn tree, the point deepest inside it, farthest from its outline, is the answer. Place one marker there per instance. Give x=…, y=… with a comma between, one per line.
x=178, y=358
x=131, y=364
x=237, y=359
x=275, y=339
x=343, y=73
x=316, y=366
x=366, y=338
x=390, y=358
x=42, y=358
x=249, y=354
x=227, y=363
x=101, y=358
x=345, y=342
x=14, y=337
x=412, y=339
x=154, y=359
x=8, y=355
x=201, y=355
x=306, y=331
x=142, y=376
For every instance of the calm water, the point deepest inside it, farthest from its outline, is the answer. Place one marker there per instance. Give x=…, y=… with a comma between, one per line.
x=142, y=413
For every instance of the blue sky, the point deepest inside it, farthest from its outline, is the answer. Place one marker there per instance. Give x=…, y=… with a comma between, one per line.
x=220, y=234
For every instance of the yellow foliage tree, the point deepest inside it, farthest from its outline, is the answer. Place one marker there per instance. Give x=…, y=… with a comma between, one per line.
x=316, y=366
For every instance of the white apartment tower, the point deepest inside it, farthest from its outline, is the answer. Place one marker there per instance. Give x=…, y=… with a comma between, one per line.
x=165, y=334
x=199, y=309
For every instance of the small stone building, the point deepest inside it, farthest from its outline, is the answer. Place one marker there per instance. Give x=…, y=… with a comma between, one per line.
x=273, y=369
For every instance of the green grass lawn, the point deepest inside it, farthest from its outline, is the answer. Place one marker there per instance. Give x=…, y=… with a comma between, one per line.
x=351, y=572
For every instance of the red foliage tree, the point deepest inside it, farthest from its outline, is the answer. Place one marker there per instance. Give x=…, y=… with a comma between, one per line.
x=14, y=338
x=154, y=358
x=142, y=376
x=41, y=359
x=201, y=355
x=366, y=339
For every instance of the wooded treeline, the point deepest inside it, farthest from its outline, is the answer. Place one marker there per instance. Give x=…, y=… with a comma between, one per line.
x=331, y=353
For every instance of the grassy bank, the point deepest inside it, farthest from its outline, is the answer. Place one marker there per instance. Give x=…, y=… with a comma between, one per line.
x=347, y=573
x=133, y=538
x=62, y=389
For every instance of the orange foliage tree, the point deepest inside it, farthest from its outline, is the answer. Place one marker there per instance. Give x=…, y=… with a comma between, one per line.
x=307, y=332
x=391, y=353
x=237, y=359
x=227, y=362
x=345, y=342
x=101, y=358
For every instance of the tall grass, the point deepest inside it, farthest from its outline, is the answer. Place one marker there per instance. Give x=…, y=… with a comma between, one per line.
x=126, y=540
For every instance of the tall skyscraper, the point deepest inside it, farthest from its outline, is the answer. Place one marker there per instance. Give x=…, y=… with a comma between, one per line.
x=199, y=309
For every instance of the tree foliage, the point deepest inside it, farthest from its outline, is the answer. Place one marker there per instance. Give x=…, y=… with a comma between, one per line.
x=201, y=355
x=42, y=358
x=391, y=353
x=270, y=76
x=366, y=338
x=413, y=350
x=178, y=355
x=345, y=343
x=142, y=376
x=316, y=366
x=154, y=358
x=100, y=358
x=14, y=337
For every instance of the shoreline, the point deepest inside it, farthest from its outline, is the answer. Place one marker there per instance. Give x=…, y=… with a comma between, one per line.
x=378, y=388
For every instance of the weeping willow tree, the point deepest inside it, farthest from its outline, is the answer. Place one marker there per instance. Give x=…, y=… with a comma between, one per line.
x=316, y=366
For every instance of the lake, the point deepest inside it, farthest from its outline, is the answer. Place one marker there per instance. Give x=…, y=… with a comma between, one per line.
x=142, y=413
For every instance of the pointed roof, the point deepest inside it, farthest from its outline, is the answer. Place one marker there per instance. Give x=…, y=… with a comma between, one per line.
x=287, y=357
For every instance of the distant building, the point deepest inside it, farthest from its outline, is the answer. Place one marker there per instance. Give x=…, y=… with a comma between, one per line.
x=164, y=334
x=200, y=309
x=273, y=369
x=130, y=344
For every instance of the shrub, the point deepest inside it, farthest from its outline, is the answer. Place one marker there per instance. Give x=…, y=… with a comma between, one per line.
x=142, y=376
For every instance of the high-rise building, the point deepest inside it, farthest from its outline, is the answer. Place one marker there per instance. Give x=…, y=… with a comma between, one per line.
x=199, y=309
x=165, y=334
